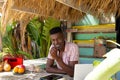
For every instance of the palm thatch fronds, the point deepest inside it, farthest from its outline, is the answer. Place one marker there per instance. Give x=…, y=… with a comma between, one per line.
x=62, y=9
x=9, y=15
x=48, y=8
x=5, y=12
x=71, y=10
x=94, y=7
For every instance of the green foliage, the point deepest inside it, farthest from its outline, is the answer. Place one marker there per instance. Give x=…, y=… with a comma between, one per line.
x=7, y=39
x=9, y=42
x=39, y=33
x=34, y=29
x=24, y=53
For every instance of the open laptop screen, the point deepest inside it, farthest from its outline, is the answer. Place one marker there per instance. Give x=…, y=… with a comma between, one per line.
x=81, y=71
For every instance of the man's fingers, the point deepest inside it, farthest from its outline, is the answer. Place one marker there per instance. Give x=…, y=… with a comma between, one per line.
x=54, y=50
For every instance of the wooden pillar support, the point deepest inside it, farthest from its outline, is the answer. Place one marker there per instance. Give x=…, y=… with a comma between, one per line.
x=69, y=34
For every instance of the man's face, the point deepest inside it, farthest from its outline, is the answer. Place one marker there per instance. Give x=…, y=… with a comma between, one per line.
x=57, y=40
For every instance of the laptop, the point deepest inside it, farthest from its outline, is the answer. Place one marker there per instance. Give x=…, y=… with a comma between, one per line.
x=81, y=71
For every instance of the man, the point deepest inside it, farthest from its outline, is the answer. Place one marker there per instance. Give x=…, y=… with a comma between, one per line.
x=65, y=54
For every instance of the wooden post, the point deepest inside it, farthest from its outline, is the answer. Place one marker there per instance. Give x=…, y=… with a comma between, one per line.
x=69, y=34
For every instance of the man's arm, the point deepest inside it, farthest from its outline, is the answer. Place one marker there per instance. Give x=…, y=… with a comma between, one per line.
x=69, y=69
x=51, y=68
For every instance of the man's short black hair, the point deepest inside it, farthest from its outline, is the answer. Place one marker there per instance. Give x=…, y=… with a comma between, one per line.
x=55, y=30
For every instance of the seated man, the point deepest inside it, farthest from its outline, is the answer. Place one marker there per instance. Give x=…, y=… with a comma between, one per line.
x=65, y=54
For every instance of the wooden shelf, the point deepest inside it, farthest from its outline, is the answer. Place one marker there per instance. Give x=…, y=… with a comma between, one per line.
x=90, y=43
x=106, y=28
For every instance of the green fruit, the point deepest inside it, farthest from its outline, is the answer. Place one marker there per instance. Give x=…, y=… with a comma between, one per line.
x=96, y=63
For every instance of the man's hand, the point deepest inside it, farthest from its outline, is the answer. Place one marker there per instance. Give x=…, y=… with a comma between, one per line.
x=53, y=52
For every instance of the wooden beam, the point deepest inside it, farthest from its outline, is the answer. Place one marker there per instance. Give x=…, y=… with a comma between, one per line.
x=25, y=11
x=68, y=3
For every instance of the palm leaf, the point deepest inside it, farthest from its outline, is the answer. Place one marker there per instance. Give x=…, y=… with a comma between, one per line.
x=25, y=54
x=34, y=28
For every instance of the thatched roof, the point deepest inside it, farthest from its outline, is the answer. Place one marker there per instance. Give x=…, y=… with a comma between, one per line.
x=71, y=10
x=48, y=8
x=94, y=7
x=68, y=9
